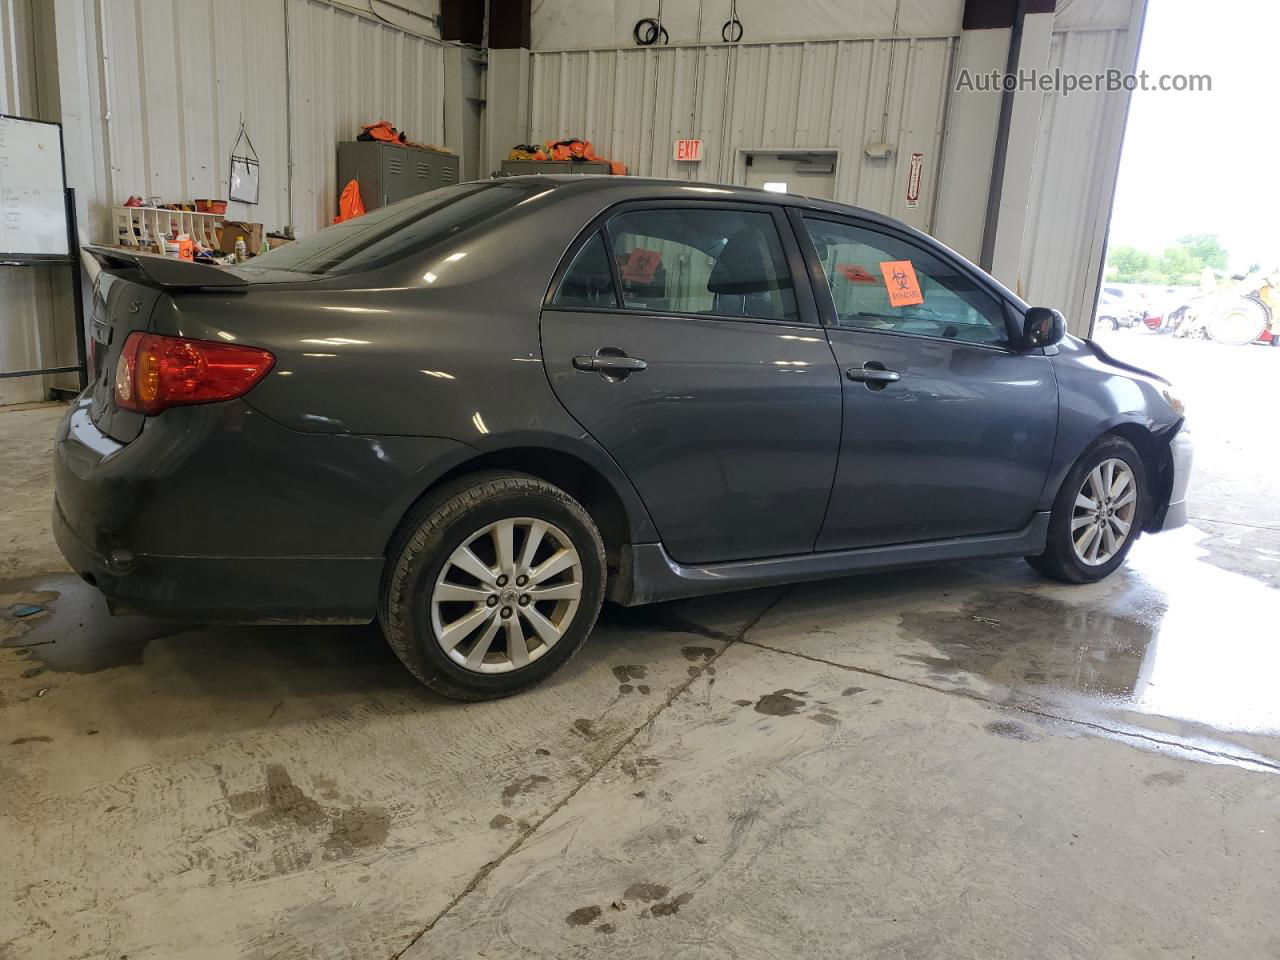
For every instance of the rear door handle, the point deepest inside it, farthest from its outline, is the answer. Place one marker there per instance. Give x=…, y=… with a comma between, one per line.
x=610, y=363
x=869, y=374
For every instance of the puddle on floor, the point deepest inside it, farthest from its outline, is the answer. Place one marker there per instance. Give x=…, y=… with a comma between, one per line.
x=1019, y=639
x=76, y=633
x=1253, y=552
x=1173, y=637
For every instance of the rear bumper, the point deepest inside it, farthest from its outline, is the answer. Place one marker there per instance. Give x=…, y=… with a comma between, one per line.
x=227, y=589
x=219, y=514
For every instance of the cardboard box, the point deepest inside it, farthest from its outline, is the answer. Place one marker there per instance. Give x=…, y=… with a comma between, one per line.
x=232, y=230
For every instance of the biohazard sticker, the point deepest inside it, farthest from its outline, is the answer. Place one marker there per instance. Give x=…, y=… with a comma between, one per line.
x=641, y=266
x=900, y=280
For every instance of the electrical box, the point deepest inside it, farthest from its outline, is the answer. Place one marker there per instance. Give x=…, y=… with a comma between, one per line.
x=387, y=172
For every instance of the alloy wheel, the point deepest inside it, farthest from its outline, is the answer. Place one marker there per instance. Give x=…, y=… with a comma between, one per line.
x=1105, y=506
x=506, y=595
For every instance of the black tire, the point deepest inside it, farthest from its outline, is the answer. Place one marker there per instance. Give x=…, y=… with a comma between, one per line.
x=1059, y=560
x=423, y=544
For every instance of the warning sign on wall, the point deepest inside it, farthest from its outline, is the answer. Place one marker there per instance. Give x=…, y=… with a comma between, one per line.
x=913, y=180
x=690, y=150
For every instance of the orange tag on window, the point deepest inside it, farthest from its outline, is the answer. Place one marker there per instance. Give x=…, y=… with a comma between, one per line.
x=641, y=266
x=855, y=273
x=900, y=280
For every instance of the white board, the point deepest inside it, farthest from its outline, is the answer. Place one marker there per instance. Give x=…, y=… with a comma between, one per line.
x=33, y=211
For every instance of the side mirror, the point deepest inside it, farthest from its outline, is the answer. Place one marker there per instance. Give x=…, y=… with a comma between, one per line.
x=1042, y=327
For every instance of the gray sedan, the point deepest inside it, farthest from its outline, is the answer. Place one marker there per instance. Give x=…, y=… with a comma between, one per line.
x=478, y=413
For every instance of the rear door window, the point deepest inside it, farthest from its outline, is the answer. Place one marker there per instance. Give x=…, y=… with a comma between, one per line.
x=711, y=262
x=589, y=281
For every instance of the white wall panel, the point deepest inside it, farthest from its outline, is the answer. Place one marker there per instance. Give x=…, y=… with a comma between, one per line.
x=347, y=71
x=414, y=16
x=166, y=85
x=180, y=77
x=973, y=121
x=27, y=334
x=1092, y=15
x=1073, y=179
x=632, y=104
x=17, y=58
x=583, y=24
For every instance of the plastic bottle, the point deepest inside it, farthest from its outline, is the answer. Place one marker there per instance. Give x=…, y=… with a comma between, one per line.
x=266, y=247
x=242, y=252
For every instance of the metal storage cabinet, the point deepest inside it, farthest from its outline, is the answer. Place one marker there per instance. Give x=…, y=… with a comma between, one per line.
x=387, y=172
x=520, y=167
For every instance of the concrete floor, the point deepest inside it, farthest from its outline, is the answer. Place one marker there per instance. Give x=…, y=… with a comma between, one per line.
x=964, y=761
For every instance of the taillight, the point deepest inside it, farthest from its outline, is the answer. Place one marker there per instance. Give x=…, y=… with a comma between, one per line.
x=155, y=372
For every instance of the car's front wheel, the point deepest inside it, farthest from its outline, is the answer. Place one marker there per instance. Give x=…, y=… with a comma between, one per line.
x=492, y=585
x=1098, y=514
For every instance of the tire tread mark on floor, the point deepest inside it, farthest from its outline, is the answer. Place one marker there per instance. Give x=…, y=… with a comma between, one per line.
x=1251, y=762
x=493, y=864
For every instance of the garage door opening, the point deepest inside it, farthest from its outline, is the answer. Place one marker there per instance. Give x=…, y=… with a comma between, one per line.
x=1191, y=284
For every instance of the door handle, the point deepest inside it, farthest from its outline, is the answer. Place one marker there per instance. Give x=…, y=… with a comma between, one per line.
x=873, y=374
x=615, y=364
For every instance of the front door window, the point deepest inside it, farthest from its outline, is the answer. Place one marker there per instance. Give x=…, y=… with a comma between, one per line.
x=881, y=283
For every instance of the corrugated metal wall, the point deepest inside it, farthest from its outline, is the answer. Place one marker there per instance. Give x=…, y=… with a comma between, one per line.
x=176, y=78
x=347, y=71
x=1073, y=178
x=600, y=24
x=17, y=57
x=633, y=104
x=181, y=76
x=27, y=335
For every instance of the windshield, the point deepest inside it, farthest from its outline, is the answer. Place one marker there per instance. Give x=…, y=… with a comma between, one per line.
x=396, y=231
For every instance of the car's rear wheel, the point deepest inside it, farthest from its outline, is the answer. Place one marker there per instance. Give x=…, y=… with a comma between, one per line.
x=1098, y=514
x=493, y=584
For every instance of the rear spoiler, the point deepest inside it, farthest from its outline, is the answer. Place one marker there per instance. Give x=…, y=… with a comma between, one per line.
x=165, y=272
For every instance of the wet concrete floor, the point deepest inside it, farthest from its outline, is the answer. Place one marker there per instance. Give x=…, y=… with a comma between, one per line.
x=962, y=761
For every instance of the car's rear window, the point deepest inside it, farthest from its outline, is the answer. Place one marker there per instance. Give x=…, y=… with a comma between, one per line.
x=393, y=232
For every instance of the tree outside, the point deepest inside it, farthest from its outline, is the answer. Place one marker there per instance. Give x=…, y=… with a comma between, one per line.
x=1179, y=264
